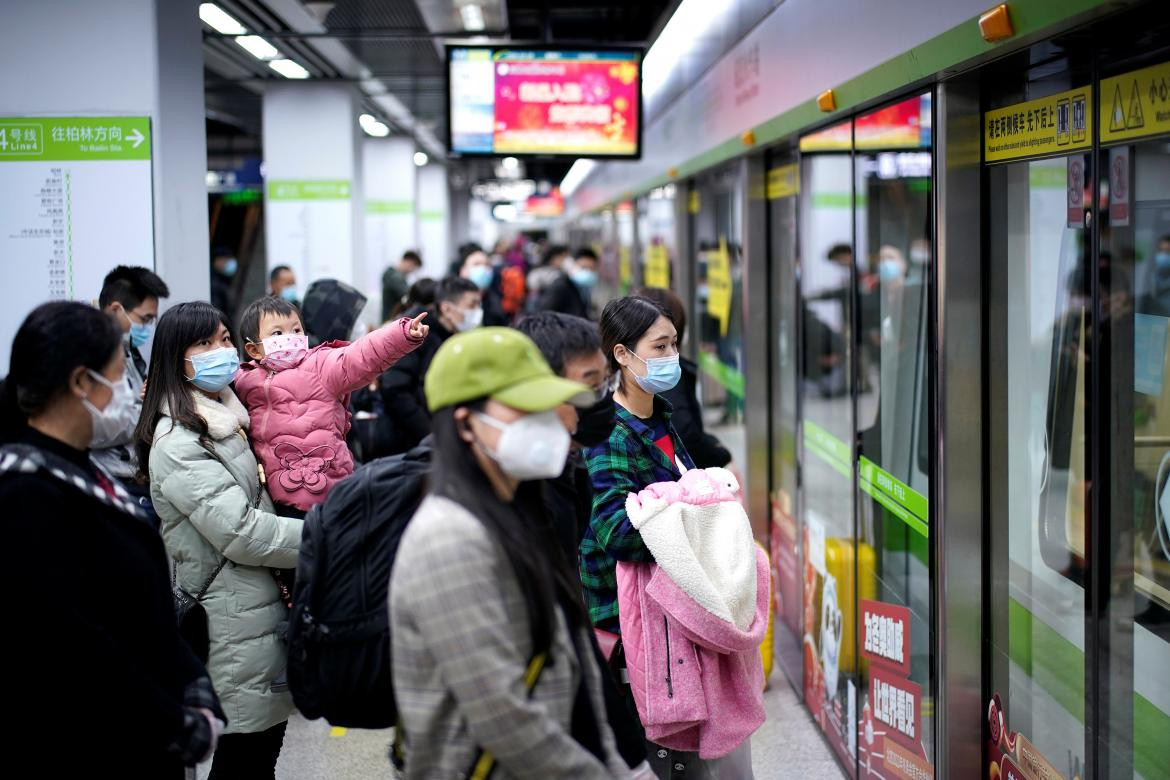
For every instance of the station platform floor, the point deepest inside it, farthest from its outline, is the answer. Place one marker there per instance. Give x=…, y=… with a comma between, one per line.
x=788, y=745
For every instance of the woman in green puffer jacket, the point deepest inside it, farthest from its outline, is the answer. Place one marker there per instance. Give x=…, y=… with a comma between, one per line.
x=208, y=491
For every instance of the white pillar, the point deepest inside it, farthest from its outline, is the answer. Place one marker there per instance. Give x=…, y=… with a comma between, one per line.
x=388, y=171
x=313, y=182
x=125, y=58
x=433, y=233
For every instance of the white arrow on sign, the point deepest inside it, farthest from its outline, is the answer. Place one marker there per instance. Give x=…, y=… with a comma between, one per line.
x=136, y=137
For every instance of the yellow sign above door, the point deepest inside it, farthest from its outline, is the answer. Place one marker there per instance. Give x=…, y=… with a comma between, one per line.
x=783, y=181
x=1050, y=125
x=1136, y=104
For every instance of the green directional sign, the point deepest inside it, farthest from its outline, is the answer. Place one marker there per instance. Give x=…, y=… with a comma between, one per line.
x=74, y=138
x=309, y=189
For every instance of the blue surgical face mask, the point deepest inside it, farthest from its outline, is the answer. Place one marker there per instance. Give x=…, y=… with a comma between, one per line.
x=140, y=332
x=231, y=266
x=289, y=293
x=889, y=270
x=480, y=276
x=216, y=369
x=584, y=278
x=1163, y=260
x=662, y=374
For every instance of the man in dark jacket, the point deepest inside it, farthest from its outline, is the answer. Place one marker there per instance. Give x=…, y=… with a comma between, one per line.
x=457, y=308
x=569, y=292
x=396, y=282
x=223, y=270
x=704, y=448
x=572, y=347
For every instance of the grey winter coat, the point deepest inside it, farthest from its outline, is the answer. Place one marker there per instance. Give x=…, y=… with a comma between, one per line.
x=212, y=505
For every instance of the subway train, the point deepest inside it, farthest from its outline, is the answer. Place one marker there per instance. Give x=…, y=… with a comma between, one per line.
x=926, y=262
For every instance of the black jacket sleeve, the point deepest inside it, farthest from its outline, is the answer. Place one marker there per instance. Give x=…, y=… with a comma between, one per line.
x=402, y=397
x=704, y=448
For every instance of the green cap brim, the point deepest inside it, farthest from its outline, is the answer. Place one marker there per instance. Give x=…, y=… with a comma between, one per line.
x=543, y=393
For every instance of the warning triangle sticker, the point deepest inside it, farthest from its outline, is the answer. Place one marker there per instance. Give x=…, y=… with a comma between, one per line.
x=1135, y=118
x=1117, y=116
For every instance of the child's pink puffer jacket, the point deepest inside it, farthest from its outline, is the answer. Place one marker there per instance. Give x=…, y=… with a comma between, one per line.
x=300, y=416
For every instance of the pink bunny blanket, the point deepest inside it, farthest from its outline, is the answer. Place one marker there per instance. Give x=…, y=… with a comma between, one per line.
x=700, y=536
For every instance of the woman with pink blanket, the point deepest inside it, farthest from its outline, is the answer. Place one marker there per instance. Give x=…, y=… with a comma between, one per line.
x=692, y=621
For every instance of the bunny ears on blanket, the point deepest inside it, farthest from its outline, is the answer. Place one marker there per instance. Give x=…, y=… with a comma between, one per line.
x=697, y=487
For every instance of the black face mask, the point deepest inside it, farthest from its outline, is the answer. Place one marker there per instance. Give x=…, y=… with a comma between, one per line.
x=595, y=423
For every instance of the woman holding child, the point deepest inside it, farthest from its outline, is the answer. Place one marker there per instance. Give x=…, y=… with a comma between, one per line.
x=218, y=526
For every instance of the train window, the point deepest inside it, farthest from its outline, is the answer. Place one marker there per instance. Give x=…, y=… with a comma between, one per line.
x=1135, y=324
x=1038, y=320
x=893, y=276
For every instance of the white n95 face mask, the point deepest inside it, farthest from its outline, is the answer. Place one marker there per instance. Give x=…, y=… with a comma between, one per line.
x=533, y=447
x=108, y=421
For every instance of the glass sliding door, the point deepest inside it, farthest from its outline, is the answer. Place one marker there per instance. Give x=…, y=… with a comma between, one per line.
x=828, y=529
x=783, y=187
x=894, y=229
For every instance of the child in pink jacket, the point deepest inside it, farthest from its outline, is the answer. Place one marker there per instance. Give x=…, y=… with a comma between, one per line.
x=298, y=399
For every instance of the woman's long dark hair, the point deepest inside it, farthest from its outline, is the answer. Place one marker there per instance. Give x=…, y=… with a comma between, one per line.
x=624, y=321
x=520, y=527
x=54, y=339
x=167, y=383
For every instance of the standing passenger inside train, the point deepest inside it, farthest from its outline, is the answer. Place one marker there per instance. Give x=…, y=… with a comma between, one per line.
x=219, y=527
x=641, y=344
x=491, y=642
x=96, y=670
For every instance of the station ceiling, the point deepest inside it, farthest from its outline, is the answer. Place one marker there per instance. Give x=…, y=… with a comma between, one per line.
x=398, y=43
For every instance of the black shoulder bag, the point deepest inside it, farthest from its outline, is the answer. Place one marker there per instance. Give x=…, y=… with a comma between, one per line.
x=190, y=613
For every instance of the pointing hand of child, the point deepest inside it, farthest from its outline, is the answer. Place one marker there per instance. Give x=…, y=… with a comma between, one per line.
x=417, y=329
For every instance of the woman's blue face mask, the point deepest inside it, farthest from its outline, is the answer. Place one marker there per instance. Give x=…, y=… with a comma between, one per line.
x=216, y=369
x=662, y=373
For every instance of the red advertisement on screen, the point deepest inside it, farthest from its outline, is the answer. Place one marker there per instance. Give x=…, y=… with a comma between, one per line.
x=576, y=106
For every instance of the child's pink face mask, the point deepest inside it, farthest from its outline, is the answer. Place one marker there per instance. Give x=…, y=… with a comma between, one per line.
x=284, y=351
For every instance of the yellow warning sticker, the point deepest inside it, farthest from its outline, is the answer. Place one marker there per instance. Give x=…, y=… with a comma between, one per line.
x=1050, y=125
x=783, y=181
x=719, y=285
x=657, y=270
x=1136, y=104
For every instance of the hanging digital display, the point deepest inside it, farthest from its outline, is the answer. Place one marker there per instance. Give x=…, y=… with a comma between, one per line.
x=544, y=102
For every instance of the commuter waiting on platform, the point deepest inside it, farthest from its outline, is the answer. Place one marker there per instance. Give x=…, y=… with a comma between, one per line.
x=297, y=397
x=491, y=645
x=96, y=666
x=641, y=344
x=475, y=266
x=130, y=296
x=687, y=418
x=571, y=290
x=219, y=527
x=282, y=283
x=457, y=309
x=224, y=266
x=396, y=281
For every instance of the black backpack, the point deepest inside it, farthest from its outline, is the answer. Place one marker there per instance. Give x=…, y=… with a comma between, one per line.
x=339, y=629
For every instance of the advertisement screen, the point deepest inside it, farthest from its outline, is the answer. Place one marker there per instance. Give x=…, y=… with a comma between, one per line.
x=544, y=102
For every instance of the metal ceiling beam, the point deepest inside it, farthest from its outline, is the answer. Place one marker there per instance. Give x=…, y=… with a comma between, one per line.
x=374, y=33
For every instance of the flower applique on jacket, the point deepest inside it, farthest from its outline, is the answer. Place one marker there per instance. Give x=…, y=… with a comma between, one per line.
x=304, y=469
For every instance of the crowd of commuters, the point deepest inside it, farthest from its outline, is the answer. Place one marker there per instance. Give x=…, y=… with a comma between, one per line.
x=185, y=466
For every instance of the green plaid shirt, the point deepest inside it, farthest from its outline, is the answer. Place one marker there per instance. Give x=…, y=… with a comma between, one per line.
x=627, y=463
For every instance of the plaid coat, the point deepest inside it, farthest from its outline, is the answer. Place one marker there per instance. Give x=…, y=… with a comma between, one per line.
x=460, y=648
x=627, y=463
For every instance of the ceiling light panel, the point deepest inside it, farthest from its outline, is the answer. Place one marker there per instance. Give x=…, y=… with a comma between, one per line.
x=219, y=20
